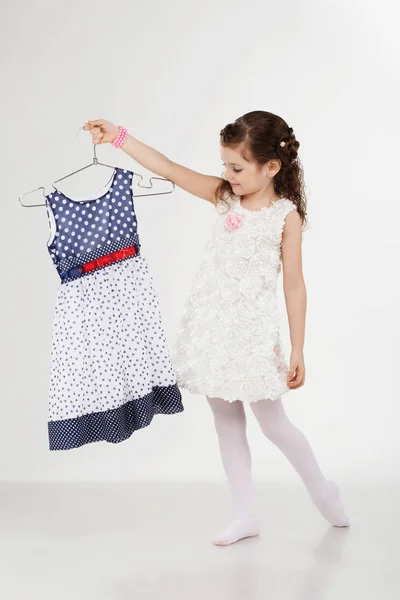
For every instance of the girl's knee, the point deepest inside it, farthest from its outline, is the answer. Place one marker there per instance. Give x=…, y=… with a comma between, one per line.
x=271, y=418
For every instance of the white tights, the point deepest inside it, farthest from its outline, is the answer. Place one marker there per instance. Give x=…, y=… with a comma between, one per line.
x=230, y=424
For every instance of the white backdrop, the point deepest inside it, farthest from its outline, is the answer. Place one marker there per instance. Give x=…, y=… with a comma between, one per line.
x=175, y=73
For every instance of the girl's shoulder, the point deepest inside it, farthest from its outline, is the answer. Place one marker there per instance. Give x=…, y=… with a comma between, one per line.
x=286, y=205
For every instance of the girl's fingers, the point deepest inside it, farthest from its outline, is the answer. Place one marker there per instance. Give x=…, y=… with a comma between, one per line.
x=293, y=385
x=298, y=381
x=99, y=123
x=295, y=377
x=296, y=387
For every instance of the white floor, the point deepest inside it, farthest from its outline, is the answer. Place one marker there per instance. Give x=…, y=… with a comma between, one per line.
x=152, y=541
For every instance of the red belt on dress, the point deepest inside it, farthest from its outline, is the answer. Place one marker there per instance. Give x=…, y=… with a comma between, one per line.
x=97, y=263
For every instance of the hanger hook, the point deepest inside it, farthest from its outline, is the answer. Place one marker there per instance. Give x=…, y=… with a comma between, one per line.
x=95, y=158
x=80, y=129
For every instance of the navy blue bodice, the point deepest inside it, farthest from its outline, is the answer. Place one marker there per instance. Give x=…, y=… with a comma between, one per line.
x=90, y=229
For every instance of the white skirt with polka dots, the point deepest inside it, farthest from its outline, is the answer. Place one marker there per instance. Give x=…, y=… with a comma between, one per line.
x=111, y=371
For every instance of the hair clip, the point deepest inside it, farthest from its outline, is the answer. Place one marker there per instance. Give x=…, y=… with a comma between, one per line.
x=282, y=144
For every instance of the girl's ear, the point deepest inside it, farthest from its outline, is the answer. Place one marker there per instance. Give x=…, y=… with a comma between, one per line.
x=273, y=167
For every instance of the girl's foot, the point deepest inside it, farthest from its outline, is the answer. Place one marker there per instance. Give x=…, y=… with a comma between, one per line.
x=242, y=527
x=330, y=506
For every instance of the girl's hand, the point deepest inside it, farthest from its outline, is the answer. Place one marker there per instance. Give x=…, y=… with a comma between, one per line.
x=102, y=132
x=297, y=371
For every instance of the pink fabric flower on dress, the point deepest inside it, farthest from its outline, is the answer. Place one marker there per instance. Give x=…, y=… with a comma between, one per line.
x=233, y=222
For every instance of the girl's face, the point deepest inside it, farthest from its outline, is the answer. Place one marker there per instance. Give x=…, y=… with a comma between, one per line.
x=246, y=177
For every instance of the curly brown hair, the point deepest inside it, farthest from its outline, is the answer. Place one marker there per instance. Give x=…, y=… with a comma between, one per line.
x=261, y=135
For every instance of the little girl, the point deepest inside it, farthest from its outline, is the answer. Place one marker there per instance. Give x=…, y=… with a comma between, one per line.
x=229, y=345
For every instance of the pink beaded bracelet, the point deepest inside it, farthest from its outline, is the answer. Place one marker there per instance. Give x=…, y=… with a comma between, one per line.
x=121, y=137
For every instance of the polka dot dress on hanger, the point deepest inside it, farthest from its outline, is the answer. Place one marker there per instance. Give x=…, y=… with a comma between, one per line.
x=111, y=371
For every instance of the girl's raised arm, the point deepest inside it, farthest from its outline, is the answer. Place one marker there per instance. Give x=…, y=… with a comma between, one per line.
x=195, y=183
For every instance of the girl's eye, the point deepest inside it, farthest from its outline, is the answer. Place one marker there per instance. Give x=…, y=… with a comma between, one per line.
x=235, y=170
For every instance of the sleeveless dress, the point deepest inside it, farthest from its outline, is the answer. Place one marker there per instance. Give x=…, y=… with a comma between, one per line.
x=110, y=368
x=229, y=343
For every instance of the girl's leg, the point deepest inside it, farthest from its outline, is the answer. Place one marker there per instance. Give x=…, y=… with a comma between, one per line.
x=230, y=424
x=292, y=442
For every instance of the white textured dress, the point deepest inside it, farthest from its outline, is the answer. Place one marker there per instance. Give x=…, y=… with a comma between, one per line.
x=229, y=344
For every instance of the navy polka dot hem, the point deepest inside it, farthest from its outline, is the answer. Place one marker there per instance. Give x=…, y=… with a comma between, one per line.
x=116, y=425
